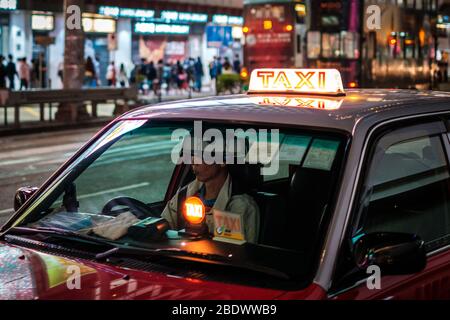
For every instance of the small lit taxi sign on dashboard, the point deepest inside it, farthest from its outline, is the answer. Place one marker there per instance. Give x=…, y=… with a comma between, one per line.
x=297, y=81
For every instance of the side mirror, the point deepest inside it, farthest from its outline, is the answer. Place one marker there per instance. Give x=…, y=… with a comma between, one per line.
x=22, y=195
x=395, y=253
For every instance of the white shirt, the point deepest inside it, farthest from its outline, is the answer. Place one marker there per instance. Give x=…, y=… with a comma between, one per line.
x=241, y=204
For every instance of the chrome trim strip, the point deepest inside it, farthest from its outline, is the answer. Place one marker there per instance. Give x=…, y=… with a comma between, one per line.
x=340, y=220
x=437, y=251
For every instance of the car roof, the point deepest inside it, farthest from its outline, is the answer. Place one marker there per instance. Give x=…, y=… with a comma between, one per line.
x=358, y=106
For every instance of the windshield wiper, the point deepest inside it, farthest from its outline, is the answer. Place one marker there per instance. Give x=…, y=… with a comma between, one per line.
x=195, y=256
x=72, y=235
x=121, y=250
x=57, y=232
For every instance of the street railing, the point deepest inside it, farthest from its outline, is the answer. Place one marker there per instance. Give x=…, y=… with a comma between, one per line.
x=50, y=97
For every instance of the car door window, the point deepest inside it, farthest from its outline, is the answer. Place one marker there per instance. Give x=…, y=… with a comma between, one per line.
x=407, y=190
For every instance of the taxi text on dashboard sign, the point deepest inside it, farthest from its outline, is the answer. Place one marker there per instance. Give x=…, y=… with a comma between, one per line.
x=301, y=81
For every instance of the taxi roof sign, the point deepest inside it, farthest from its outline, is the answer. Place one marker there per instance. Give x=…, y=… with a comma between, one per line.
x=298, y=81
x=320, y=103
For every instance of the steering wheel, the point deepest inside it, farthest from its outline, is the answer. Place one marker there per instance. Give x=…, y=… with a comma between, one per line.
x=140, y=209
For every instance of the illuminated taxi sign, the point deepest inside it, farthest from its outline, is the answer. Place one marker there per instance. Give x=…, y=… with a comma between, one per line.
x=300, y=81
x=299, y=102
x=194, y=211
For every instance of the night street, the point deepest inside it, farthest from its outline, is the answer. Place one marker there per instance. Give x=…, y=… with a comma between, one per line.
x=245, y=154
x=28, y=160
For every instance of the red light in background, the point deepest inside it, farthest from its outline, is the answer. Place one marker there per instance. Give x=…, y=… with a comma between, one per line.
x=352, y=84
x=267, y=24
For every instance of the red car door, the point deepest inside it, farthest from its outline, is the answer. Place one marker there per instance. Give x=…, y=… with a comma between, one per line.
x=406, y=188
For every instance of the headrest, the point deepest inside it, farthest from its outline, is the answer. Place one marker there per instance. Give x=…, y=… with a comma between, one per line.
x=205, y=149
x=308, y=178
x=246, y=177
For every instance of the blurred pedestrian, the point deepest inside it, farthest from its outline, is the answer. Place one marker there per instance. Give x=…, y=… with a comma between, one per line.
x=166, y=72
x=34, y=73
x=89, y=73
x=190, y=72
x=60, y=71
x=96, y=62
x=180, y=76
x=11, y=72
x=111, y=76
x=213, y=73
x=2, y=73
x=158, y=81
x=141, y=76
x=237, y=64
x=151, y=73
x=24, y=74
x=227, y=69
x=198, y=74
x=133, y=74
x=218, y=66
x=42, y=71
x=122, y=76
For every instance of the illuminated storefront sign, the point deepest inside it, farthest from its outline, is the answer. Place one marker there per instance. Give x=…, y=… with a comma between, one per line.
x=160, y=28
x=40, y=22
x=225, y=19
x=99, y=25
x=184, y=16
x=125, y=12
x=8, y=4
x=237, y=33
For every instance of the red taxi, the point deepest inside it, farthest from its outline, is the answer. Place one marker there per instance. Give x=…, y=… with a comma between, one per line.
x=338, y=195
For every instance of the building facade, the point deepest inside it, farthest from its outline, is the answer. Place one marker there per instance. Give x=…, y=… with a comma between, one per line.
x=121, y=31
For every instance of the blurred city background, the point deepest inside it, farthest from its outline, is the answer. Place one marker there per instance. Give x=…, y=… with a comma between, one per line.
x=59, y=85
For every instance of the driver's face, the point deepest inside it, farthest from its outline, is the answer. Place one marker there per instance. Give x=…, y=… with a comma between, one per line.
x=206, y=172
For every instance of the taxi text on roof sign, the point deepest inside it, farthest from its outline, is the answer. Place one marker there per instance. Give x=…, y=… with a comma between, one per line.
x=300, y=81
x=321, y=103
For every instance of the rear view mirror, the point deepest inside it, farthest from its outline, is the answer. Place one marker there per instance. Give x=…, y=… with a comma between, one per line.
x=22, y=195
x=395, y=253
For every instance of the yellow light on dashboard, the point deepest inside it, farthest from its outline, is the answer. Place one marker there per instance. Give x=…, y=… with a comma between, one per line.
x=245, y=29
x=267, y=24
x=289, y=27
x=194, y=210
x=306, y=81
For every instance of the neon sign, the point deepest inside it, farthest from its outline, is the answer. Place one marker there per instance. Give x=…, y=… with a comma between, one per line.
x=160, y=28
x=184, y=16
x=126, y=12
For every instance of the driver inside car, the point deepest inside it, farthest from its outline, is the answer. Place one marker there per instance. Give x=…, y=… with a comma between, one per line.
x=214, y=186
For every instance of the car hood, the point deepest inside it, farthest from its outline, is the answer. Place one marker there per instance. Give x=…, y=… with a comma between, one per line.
x=31, y=274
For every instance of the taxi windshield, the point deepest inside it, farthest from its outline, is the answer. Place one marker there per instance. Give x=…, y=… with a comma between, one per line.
x=244, y=195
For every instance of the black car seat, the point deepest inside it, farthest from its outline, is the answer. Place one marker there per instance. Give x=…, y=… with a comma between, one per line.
x=308, y=198
x=273, y=218
x=248, y=179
